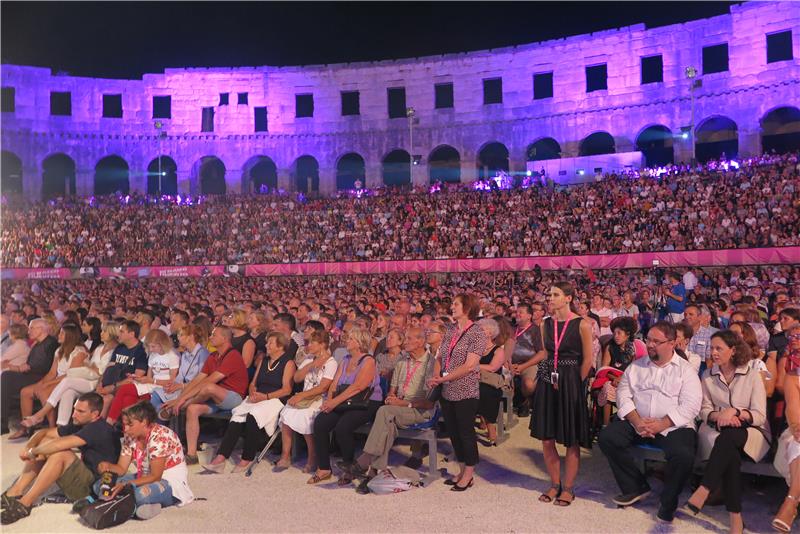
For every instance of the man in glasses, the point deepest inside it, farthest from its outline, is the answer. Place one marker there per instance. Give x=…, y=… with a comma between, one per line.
x=658, y=399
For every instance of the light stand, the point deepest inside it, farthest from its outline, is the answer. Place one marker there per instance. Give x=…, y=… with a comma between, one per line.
x=411, y=113
x=691, y=74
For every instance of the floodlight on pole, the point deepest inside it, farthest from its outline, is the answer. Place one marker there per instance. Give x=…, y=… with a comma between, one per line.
x=691, y=74
x=411, y=113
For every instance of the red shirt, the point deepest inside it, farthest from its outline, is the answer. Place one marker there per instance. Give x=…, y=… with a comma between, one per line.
x=232, y=366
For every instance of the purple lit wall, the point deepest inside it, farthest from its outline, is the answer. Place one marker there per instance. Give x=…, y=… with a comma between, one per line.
x=742, y=96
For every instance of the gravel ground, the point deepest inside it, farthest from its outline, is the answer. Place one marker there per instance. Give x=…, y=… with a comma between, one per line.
x=509, y=479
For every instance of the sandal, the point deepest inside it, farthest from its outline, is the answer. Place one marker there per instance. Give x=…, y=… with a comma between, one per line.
x=5, y=500
x=559, y=501
x=22, y=432
x=786, y=514
x=15, y=511
x=546, y=497
x=316, y=479
x=31, y=421
x=345, y=480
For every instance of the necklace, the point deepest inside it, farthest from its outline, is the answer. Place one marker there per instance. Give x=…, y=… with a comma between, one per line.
x=270, y=367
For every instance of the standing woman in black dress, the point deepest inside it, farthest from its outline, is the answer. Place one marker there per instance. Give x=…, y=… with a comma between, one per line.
x=560, y=413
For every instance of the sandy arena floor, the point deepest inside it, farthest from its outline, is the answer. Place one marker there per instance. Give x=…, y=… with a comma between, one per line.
x=503, y=499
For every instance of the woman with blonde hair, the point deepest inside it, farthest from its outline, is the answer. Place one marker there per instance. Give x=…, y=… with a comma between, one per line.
x=162, y=368
x=16, y=353
x=240, y=336
x=259, y=325
x=354, y=397
x=79, y=380
x=193, y=356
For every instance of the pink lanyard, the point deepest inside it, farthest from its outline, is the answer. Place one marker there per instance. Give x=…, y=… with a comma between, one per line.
x=453, y=342
x=517, y=334
x=409, y=375
x=558, y=339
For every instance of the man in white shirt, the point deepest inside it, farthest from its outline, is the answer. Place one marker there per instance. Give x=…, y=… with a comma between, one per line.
x=689, y=280
x=658, y=399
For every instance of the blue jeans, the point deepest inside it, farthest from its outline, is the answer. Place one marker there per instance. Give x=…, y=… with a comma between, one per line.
x=153, y=493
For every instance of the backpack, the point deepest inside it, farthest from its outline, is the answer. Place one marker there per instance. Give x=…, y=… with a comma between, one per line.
x=106, y=514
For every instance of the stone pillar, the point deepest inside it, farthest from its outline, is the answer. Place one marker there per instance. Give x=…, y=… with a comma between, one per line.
x=32, y=183
x=421, y=174
x=327, y=180
x=285, y=180
x=184, y=182
x=373, y=176
x=749, y=141
x=233, y=181
x=84, y=181
x=469, y=171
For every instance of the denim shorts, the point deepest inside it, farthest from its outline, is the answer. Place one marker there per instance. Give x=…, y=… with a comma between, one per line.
x=231, y=401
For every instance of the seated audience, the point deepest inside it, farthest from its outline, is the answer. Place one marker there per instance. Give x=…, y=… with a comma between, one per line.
x=162, y=368
x=618, y=354
x=787, y=458
x=129, y=361
x=78, y=380
x=48, y=459
x=15, y=352
x=492, y=363
x=160, y=476
x=70, y=355
x=259, y=412
x=765, y=366
x=316, y=373
x=193, y=356
x=220, y=386
x=40, y=361
x=734, y=423
x=357, y=382
x=658, y=399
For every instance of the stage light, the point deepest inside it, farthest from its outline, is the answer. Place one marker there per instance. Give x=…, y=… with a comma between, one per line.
x=529, y=173
x=685, y=135
x=581, y=172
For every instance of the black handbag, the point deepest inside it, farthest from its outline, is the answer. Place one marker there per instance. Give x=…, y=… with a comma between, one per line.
x=112, y=375
x=359, y=401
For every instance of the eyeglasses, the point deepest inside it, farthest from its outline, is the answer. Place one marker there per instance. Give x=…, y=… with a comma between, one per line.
x=656, y=342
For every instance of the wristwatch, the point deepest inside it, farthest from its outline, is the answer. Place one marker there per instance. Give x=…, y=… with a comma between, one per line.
x=410, y=405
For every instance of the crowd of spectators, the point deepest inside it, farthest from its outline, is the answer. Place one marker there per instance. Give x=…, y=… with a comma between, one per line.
x=754, y=203
x=340, y=329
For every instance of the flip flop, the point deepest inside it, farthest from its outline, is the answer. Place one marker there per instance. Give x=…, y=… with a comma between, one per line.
x=316, y=479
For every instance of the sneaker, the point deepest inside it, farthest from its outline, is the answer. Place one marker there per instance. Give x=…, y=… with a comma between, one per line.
x=627, y=499
x=663, y=516
x=147, y=511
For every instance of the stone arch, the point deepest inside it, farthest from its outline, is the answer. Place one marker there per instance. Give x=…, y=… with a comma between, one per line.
x=111, y=175
x=11, y=181
x=444, y=165
x=715, y=136
x=396, y=167
x=596, y=144
x=162, y=179
x=259, y=171
x=655, y=142
x=210, y=173
x=543, y=149
x=350, y=169
x=492, y=157
x=58, y=176
x=780, y=129
x=305, y=171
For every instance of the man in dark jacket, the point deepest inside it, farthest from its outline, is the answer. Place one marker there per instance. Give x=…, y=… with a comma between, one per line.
x=40, y=360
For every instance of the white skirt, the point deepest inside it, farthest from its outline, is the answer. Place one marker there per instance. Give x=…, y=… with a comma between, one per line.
x=788, y=452
x=301, y=420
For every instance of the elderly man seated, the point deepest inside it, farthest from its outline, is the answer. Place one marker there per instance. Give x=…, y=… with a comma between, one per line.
x=405, y=405
x=48, y=459
x=658, y=399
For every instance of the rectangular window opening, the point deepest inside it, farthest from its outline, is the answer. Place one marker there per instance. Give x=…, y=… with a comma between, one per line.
x=351, y=103
x=162, y=107
x=241, y=99
x=8, y=100
x=304, y=105
x=112, y=106
x=223, y=99
x=60, y=103
x=208, y=120
x=492, y=91
x=443, y=95
x=261, y=119
x=715, y=58
x=396, y=101
x=596, y=78
x=542, y=85
x=779, y=46
x=652, y=69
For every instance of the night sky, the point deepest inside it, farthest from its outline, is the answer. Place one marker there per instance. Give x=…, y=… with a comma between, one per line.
x=127, y=39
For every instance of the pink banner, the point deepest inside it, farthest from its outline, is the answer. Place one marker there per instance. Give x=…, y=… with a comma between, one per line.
x=745, y=256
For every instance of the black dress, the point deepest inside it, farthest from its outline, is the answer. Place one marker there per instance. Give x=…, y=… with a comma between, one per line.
x=490, y=397
x=562, y=414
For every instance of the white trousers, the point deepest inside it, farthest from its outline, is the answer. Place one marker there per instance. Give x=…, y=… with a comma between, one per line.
x=66, y=393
